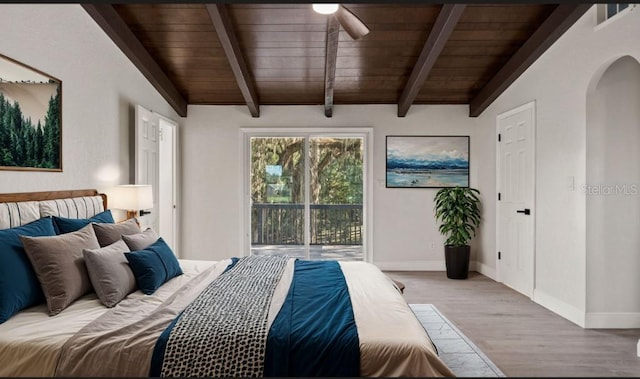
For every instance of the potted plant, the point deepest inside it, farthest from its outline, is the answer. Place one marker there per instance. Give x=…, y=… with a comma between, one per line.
x=458, y=210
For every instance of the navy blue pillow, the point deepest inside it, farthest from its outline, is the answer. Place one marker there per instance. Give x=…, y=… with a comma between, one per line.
x=153, y=266
x=68, y=225
x=19, y=285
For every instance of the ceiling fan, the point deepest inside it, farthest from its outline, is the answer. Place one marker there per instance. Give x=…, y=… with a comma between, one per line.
x=349, y=21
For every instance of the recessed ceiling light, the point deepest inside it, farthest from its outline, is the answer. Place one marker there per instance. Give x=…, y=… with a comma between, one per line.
x=325, y=8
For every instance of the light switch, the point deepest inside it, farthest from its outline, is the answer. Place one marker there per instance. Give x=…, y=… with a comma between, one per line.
x=571, y=183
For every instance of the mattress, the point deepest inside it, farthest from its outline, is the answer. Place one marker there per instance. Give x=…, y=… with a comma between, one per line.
x=392, y=340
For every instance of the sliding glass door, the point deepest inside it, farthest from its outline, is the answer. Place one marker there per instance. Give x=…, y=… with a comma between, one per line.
x=336, y=187
x=277, y=196
x=306, y=195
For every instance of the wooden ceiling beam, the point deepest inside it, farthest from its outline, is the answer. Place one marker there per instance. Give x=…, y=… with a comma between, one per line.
x=113, y=25
x=561, y=19
x=440, y=32
x=333, y=31
x=222, y=23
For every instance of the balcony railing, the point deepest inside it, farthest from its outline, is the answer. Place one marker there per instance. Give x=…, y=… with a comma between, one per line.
x=283, y=224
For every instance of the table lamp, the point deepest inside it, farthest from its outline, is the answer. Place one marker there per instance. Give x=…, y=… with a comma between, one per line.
x=133, y=198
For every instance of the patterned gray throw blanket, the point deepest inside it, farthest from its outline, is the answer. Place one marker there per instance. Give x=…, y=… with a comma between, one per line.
x=223, y=332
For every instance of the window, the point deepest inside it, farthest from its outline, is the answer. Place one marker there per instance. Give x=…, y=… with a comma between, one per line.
x=607, y=11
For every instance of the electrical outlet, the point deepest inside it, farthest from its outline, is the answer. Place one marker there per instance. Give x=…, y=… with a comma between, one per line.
x=433, y=245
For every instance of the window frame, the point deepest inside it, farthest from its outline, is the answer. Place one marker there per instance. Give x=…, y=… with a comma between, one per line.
x=245, y=161
x=602, y=17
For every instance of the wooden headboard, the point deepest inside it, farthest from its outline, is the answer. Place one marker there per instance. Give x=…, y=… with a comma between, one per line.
x=50, y=195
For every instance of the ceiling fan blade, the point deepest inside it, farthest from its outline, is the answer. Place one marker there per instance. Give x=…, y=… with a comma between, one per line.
x=351, y=23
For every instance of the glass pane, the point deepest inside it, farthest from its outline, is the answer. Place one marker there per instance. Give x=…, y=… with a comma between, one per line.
x=612, y=9
x=277, y=196
x=336, y=174
x=622, y=6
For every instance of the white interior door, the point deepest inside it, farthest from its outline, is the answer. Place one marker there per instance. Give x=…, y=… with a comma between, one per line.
x=516, y=198
x=167, y=183
x=147, y=145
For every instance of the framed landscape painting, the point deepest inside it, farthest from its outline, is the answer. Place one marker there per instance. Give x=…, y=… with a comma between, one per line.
x=30, y=118
x=427, y=161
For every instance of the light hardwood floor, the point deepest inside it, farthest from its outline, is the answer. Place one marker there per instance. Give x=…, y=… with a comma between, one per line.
x=521, y=337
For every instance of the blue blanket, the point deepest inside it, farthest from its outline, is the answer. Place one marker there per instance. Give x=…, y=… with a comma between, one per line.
x=314, y=334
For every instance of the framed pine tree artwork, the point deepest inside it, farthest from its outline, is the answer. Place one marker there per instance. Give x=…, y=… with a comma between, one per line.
x=30, y=118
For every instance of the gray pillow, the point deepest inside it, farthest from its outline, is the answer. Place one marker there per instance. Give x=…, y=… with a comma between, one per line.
x=141, y=241
x=110, y=273
x=109, y=233
x=59, y=265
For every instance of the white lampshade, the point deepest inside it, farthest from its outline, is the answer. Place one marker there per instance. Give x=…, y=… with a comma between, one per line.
x=132, y=197
x=325, y=8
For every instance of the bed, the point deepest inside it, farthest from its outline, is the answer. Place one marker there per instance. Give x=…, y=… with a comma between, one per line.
x=242, y=316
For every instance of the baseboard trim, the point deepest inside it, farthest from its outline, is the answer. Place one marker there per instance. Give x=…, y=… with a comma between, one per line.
x=485, y=270
x=411, y=266
x=612, y=320
x=559, y=307
x=432, y=266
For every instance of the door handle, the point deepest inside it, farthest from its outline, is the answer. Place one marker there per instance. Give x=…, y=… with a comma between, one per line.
x=526, y=211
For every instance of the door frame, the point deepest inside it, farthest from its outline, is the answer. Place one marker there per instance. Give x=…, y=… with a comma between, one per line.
x=367, y=176
x=173, y=125
x=530, y=105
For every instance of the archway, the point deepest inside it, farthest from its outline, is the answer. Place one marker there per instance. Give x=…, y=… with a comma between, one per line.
x=612, y=195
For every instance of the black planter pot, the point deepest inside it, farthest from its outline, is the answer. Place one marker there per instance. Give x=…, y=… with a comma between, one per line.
x=457, y=261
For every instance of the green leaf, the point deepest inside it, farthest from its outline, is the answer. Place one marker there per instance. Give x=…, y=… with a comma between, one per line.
x=458, y=211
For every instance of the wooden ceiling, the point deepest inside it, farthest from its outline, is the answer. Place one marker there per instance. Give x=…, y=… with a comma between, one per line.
x=284, y=54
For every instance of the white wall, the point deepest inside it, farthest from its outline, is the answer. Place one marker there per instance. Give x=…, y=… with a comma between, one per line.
x=403, y=225
x=99, y=87
x=558, y=82
x=613, y=201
